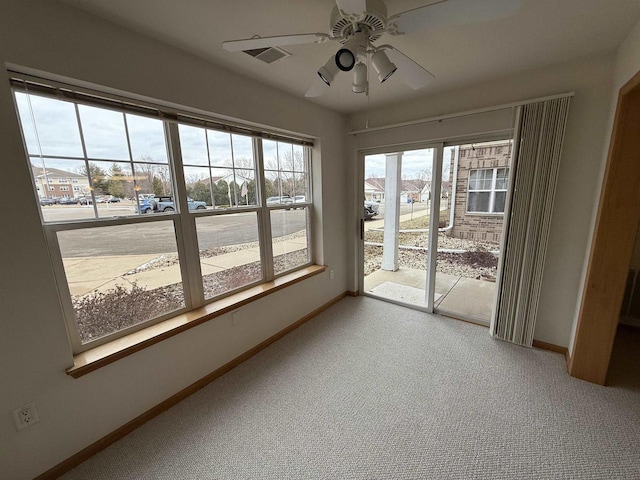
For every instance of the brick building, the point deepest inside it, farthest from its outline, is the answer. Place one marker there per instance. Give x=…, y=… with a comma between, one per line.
x=481, y=190
x=56, y=183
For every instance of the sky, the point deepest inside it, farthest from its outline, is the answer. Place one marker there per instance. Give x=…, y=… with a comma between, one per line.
x=415, y=164
x=53, y=128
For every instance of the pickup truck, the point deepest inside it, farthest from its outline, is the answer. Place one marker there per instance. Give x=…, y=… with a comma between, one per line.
x=165, y=204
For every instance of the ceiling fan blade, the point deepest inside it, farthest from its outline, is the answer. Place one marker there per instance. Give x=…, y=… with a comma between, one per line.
x=408, y=71
x=451, y=12
x=352, y=7
x=278, y=41
x=317, y=88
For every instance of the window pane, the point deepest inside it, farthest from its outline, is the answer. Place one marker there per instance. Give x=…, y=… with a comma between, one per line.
x=270, y=154
x=473, y=180
x=62, y=185
x=501, y=178
x=120, y=276
x=478, y=201
x=147, y=139
x=151, y=181
x=56, y=125
x=285, y=156
x=298, y=157
x=499, y=201
x=229, y=252
x=193, y=145
x=242, y=151
x=245, y=180
x=301, y=187
x=198, y=183
x=289, y=239
x=104, y=133
x=220, y=148
x=117, y=190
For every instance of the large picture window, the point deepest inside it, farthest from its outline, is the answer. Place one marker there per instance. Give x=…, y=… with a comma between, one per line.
x=487, y=190
x=167, y=212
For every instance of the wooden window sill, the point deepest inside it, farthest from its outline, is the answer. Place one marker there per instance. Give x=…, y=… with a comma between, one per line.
x=107, y=353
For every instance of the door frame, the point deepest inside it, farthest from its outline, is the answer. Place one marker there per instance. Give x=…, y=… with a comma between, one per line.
x=612, y=245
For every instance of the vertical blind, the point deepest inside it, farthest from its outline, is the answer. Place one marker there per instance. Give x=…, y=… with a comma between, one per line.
x=537, y=158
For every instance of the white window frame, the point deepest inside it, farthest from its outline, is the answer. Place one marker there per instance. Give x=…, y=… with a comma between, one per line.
x=184, y=220
x=492, y=191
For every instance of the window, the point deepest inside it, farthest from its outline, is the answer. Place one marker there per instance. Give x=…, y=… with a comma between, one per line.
x=487, y=190
x=157, y=230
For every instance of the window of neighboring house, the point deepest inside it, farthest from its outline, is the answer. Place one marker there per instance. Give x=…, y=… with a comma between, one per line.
x=487, y=191
x=63, y=180
x=64, y=188
x=52, y=188
x=201, y=207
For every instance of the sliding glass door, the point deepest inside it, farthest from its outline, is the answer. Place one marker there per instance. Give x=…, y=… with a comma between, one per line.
x=432, y=226
x=398, y=211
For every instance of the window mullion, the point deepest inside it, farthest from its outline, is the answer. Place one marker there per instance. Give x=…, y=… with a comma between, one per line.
x=185, y=224
x=264, y=215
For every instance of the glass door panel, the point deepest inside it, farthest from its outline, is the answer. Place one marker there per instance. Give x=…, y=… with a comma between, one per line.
x=397, y=192
x=473, y=194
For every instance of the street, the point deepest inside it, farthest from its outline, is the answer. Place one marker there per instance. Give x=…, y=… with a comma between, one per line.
x=405, y=208
x=159, y=237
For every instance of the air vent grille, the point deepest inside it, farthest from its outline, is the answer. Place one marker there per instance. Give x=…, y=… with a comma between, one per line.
x=268, y=55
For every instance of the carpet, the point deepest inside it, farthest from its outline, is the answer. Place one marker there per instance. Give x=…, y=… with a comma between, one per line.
x=370, y=390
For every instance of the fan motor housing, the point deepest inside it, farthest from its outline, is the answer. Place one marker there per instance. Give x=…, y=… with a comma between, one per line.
x=374, y=18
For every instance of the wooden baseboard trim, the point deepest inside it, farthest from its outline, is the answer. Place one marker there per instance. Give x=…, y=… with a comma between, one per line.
x=352, y=293
x=551, y=347
x=129, y=427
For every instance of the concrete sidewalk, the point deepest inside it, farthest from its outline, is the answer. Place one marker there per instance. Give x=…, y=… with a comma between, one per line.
x=99, y=274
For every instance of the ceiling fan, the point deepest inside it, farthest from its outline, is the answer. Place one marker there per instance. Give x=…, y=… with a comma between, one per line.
x=357, y=24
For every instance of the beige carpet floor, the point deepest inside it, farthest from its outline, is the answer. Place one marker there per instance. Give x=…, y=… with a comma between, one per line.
x=371, y=390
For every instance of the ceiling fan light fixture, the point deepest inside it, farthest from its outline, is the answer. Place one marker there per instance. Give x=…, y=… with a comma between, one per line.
x=328, y=71
x=345, y=59
x=360, y=83
x=382, y=65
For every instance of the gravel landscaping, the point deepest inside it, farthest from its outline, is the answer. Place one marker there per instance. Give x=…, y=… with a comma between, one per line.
x=475, y=261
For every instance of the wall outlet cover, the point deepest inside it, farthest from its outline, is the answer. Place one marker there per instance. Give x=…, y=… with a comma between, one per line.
x=25, y=416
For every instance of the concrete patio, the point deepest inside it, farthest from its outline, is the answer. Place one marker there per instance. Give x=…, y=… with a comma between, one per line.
x=459, y=296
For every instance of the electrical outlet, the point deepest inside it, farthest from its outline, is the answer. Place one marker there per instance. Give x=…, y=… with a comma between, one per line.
x=331, y=274
x=25, y=416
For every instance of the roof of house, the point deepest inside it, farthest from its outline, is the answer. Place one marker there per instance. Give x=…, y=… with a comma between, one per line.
x=55, y=173
x=409, y=185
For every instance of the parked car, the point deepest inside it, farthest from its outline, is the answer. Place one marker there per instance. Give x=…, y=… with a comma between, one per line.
x=68, y=201
x=165, y=204
x=370, y=209
x=46, y=201
x=85, y=201
x=111, y=199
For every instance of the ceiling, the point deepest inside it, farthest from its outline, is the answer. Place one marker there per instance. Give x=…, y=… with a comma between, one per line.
x=542, y=32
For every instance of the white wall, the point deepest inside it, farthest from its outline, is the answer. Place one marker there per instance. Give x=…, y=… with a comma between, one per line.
x=34, y=351
x=626, y=64
x=581, y=162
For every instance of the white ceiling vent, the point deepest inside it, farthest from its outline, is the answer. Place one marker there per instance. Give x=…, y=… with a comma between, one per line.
x=268, y=55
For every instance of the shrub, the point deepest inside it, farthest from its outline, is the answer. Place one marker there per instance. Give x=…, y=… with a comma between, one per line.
x=101, y=313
